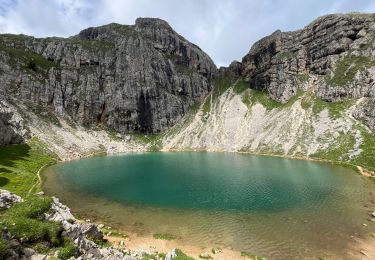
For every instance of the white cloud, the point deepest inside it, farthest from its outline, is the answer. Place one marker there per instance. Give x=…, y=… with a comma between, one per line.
x=224, y=29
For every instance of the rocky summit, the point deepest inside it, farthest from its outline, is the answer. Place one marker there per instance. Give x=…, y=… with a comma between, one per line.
x=136, y=78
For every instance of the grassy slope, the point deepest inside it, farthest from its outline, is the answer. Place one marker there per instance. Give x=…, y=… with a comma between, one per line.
x=345, y=141
x=19, y=165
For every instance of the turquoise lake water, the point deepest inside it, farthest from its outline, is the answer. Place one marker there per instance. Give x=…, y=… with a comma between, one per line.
x=273, y=206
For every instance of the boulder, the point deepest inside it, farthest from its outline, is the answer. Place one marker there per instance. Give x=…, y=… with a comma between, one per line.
x=7, y=199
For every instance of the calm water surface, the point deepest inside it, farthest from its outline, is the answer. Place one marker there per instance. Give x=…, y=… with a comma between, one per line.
x=271, y=206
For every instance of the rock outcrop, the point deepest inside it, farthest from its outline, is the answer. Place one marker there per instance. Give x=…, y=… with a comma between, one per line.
x=12, y=128
x=138, y=78
x=339, y=48
x=7, y=199
x=365, y=112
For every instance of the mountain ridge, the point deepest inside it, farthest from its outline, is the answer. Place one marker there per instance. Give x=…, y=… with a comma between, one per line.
x=300, y=93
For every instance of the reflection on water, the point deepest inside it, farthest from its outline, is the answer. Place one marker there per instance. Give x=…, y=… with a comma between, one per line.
x=270, y=206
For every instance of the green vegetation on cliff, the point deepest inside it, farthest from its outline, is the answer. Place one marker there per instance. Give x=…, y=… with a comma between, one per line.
x=347, y=68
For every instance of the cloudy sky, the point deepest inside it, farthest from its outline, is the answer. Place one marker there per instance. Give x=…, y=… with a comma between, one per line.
x=224, y=29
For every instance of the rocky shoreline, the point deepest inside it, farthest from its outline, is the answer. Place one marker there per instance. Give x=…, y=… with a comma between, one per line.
x=87, y=237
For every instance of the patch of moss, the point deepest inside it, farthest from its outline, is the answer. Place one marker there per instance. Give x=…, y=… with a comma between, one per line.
x=253, y=96
x=93, y=46
x=124, y=29
x=164, y=236
x=182, y=256
x=68, y=250
x=286, y=55
x=19, y=165
x=207, y=104
x=302, y=78
x=240, y=86
x=347, y=68
x=221, y=84
x=336, y=109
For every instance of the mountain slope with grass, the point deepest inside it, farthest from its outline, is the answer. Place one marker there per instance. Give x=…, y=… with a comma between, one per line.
x=308, y=93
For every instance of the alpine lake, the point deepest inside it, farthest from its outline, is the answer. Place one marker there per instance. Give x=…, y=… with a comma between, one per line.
x=275, y=207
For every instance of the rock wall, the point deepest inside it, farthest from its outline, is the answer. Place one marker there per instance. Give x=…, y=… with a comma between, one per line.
x=340, y=48
x=139, y=78
x=11, y=127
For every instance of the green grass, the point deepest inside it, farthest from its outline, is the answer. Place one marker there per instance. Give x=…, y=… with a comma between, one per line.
x=347, y=68
x=3, y=247
x=367, y=157
x=68, y=250
x=153, y=140
x=153, y=256
x=164, y=236
x=221, y=84
x=207, y=105
x=19, y=165
x=338, y=150
x=335, y=109
x=182, y=256
x=93, y=45
x=25, y=58
x=25, y=221
x=240, y=86
x=253, y=96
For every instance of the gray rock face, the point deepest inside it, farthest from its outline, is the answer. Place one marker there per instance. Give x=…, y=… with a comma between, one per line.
x=83, y=234
x=233, y=71
x=365, y=112
x=11, y=127
x=340, y=48
x=142, y=77
x=7, y=199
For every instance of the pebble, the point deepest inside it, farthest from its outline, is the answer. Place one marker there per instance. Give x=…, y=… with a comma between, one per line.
x=100, y=226
x=363, y=253
x=365, y=225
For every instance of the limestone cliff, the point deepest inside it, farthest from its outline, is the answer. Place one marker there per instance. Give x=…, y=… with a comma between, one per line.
x=307, y=93
x=338, y=47
x=137, y=78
